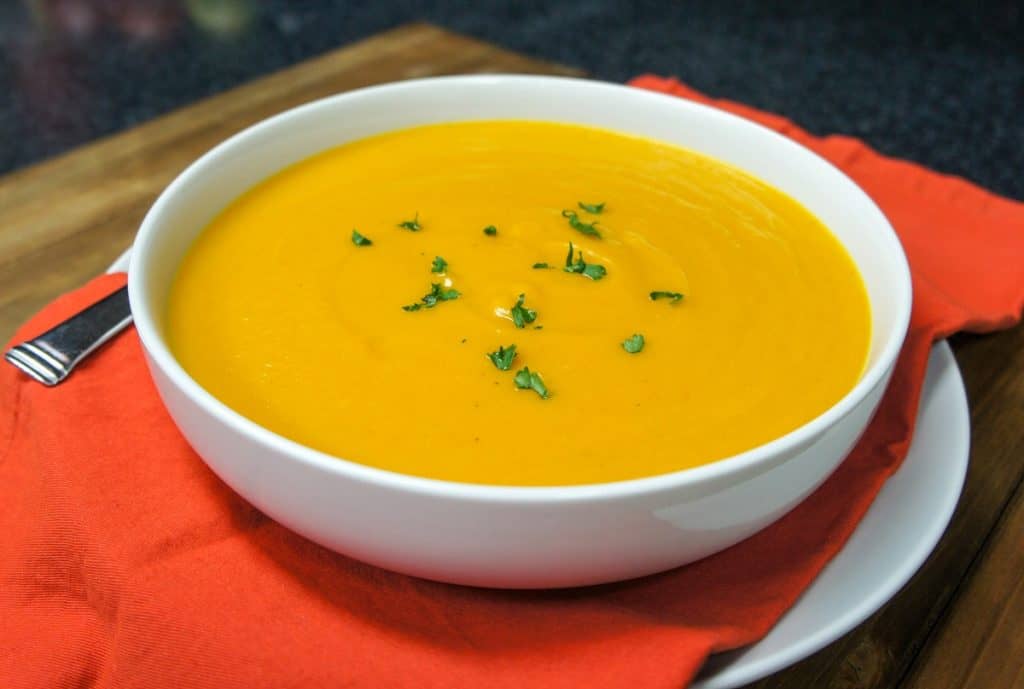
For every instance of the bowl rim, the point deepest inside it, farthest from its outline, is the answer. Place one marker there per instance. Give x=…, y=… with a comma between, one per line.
x=161, y=357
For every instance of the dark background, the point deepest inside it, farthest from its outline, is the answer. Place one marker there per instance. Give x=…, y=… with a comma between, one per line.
x=939, y=83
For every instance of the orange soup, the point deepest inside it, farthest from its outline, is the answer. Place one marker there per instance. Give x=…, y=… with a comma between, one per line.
x=520, y=303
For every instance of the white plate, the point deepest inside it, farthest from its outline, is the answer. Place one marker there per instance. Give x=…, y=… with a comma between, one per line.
x=890, y=544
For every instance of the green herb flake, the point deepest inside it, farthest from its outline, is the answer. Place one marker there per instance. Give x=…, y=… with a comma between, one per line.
x=580, y=226
x=541, y=266
x=634, y=343
x=360, y=240
x=594, y=271
x=530, y=380
x=439, y=265
x=674, y=296
x=522, y=316
x=502, y=359
x=437, y=294
x=595, y=208
x=412, y=225
x=490, y=230
x=443, y=293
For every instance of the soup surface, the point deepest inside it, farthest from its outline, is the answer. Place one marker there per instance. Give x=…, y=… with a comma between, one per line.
x=289, y=306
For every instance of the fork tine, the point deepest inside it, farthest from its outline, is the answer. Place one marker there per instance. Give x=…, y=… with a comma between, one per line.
x=50, y=357
x=45, y=369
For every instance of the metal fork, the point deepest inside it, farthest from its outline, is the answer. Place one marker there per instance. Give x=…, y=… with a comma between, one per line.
x=50, y=357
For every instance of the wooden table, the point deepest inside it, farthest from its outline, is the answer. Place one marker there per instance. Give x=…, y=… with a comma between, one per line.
x=955, y=625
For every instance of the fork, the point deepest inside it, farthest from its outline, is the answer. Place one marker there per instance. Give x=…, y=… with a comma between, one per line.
x=50, y=357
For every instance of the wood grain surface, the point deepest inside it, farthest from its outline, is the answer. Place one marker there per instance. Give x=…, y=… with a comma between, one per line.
x=955, y=625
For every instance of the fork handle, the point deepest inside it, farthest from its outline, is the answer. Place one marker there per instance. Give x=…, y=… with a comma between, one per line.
x=50, y=357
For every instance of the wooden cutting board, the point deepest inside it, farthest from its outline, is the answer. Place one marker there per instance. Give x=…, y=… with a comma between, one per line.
x=955, y=625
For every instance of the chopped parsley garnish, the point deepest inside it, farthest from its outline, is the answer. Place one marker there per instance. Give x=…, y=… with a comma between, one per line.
x=530, y=380
x=522, y=316
x=360, y=240
x=594, y=271
x=502, y=359
x=674, y=296
x=541, y=266
x=490, y=230
x=412, y=225
x=595, y=208
x=438, y=293
x=439, y=265
x=580, y=226
x=634, y=343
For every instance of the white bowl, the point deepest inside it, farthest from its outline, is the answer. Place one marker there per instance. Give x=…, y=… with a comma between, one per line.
x=510, y=536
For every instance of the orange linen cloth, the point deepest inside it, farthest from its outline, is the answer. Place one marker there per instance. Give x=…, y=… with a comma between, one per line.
x=124, y=562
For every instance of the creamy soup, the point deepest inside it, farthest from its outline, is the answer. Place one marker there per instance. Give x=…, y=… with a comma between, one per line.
x=410, y=301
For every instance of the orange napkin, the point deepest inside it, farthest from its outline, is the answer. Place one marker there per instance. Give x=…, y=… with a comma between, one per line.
x=124, y=562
